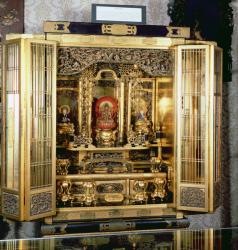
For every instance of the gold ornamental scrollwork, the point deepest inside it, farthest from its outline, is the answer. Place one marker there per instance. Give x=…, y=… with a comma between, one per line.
x=63, y=191
x=106, y=138
x=108, y=155
x=119, y=29
x=136, y=138
x=74, y=60
x=65, y=128
x=139, y=188
x=160, y=188
x=81, y=140
x=110, y=188
x=62, y=166
x=114, y=198
x=86, y=84
x=89, y=197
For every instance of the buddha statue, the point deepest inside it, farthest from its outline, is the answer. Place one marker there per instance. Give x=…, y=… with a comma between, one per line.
x=141, y=121
x=64, y=112
x=64, y=123
x=106, y=115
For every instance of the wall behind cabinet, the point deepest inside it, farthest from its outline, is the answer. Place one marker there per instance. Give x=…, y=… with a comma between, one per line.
x=80, y=10
x=232, y=129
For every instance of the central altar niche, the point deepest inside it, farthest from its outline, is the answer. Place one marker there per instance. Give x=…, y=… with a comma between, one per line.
x=105, y=109
x=112, y=106
x=114, y=102
x=109, y=125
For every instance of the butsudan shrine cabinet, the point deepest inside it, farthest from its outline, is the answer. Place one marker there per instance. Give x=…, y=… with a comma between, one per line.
x=109, y=126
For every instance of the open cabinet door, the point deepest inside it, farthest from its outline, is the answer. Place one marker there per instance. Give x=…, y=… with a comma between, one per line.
x=215, y=127
x=13, y=126
x=40, y=196
x=29, y=85
x=193, y=104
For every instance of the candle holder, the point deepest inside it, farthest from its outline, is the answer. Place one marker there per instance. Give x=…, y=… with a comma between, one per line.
x=160, y=134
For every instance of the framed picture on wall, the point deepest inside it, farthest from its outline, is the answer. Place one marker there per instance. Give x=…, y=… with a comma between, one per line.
x=109, y=13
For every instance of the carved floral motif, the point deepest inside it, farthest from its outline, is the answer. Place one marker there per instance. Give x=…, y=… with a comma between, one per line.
x=73, y=60
x=62, y=166
x=110, y=188
x=193, y=197
x=41, y=203
x=10, y=204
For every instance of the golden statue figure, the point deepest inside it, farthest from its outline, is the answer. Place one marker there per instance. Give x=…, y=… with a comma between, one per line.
x=141, y=121
x=64, y=124
x=106, y=114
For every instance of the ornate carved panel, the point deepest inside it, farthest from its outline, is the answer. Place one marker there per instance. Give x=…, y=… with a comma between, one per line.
x=10, y=204
x=41, y=203
x=73, y=60
x=192, y=197
x=110, y=188
x=107, y=155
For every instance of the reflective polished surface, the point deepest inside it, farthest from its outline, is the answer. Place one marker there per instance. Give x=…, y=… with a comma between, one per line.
x=148, y=239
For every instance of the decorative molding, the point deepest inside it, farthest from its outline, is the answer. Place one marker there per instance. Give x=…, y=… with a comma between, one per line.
x=108, y=155
x=59, y=27
x=77, y=188
x=119, y=29
x=41, y=203
x=62, y=166
x=110, y=188
x=74, y=60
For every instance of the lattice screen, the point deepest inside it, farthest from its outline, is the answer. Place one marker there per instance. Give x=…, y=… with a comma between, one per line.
x=41, y=154
x=193, y=116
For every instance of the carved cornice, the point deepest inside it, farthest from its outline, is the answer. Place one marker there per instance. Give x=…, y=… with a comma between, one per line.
x=73, y=60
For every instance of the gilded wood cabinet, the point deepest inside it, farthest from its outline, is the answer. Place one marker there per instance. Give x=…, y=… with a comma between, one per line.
x=101, y=127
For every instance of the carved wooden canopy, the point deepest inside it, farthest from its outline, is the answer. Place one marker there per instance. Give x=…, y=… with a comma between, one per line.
x=155, y=62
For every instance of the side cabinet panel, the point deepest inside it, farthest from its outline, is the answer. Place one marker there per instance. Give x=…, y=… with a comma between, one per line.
x=29, y=113
x=216, y=113
x=192, y=159
x=41, y=125
x=13, y=131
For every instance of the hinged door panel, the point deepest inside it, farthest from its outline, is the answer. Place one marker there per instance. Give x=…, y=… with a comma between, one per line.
x=215, y=127
x=192, y=153
x=41, y=126
x=13, y=127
